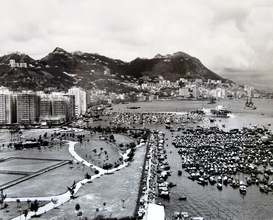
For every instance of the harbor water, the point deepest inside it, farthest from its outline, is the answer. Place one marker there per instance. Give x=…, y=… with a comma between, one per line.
x=208, y=201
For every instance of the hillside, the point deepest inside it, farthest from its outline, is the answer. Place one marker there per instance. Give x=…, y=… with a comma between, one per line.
x=60, y=70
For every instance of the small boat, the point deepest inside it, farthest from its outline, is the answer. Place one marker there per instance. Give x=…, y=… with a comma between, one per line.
x=211, y=120
x=184, y=214
x=182, y=198
x=133, y=107
x=179, y=172
x=242, y=189
x=219, y=186
x=202, y=181
x=164, y=194
x=197, y=218
x=264, y=188
x=171, y=184
x=212, y=180
x=249, y=104
x=180, y=215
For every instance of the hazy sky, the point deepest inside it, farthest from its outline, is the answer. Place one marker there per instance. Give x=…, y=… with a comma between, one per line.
x=233, y=38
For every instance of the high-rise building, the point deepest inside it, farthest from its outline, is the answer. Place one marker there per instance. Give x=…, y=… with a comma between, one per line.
x=28, y=104
x=5, y=108
x=59, y=107
x=45, y=106
x=70, y=107
x=80, y=100
x=56, y=108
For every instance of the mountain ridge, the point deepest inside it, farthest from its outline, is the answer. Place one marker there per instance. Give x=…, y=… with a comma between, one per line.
x=61, y=70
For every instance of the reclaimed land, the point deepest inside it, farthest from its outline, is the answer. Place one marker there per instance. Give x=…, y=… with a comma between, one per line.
x=112, y=195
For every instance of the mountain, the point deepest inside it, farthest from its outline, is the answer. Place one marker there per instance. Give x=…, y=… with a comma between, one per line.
x=60, y=70
x=172, y=67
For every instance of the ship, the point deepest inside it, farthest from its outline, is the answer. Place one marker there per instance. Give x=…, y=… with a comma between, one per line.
x=220, y=111
x=249, y=104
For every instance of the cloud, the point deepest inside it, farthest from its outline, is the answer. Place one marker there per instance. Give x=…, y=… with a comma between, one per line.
x=222, y=34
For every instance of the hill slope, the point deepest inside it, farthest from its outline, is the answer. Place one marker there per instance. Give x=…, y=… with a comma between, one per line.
x=60, y=70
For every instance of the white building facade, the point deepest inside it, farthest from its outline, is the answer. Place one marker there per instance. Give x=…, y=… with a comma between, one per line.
x=80, y=100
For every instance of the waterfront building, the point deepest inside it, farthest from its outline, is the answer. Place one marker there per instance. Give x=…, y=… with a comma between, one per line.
x=249, y=90
x=141, y=98
x=199, y=81
x=80, y=100
x=184, y=92
x=220, y=93
x=195, y=92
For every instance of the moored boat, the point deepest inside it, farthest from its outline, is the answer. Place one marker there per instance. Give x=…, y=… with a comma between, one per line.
x=219, y=186
x=182, y=198
x=242, y=189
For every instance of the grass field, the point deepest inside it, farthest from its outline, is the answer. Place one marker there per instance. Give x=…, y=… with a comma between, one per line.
x=50, y=183
x=26, y=165
x=109, y=189
x=5, y=178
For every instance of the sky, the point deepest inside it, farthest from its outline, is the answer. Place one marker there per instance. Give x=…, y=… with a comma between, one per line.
x=232, y=38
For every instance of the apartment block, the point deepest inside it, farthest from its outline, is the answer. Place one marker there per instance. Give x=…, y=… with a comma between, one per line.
x=80, y=100
x=5, y=109
x=28, y=107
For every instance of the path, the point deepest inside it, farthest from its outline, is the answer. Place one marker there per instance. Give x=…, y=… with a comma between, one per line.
x=65, y=197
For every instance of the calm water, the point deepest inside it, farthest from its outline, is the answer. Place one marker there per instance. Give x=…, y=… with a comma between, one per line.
x=208, y=201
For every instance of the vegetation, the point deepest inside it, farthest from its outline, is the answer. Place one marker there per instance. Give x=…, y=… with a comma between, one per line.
x=34, y=206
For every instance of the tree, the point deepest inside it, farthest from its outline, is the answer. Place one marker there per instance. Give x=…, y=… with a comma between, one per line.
x=2, y=197
x=28, y=202
x=18, y=202
x=97, y=210
x=54, y=201
x=112, y=138
x=25, y=212
x=123, y=201
x=71, y=189
x=34, y=206
x=104, y=204
x=87, y=176
x=77, y=207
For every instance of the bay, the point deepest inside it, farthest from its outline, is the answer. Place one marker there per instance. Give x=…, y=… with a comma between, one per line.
x=208, y=201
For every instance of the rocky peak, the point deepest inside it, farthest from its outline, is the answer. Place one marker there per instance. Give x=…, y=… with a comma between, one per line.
x=60, y=50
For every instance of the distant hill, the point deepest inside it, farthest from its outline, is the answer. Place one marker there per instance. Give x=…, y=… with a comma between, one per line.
x=60, y=70
x=172, y=67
